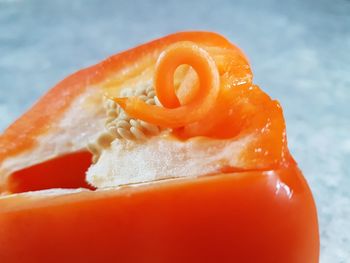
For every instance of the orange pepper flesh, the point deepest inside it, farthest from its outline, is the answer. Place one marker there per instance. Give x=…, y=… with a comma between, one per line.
x=251, y=216
x=67, y=171
x=263, y=217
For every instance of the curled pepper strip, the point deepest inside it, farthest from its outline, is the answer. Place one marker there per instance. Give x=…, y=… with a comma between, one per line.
x=173, y=114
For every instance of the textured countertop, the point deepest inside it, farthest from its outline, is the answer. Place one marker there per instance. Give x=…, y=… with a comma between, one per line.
x=299, y=51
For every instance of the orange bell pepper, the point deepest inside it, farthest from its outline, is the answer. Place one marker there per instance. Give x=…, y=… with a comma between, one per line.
x=262, y=210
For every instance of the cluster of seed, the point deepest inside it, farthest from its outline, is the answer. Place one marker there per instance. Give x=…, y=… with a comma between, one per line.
x=120, y=126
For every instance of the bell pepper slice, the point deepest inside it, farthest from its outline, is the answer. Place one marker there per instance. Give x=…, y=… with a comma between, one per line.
x=260, y=211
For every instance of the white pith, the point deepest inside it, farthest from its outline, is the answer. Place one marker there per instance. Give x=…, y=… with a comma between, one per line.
x=163, y=157
x=70, y=134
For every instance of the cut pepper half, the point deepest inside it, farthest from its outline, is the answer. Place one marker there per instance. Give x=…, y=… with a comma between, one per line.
x=189, y=164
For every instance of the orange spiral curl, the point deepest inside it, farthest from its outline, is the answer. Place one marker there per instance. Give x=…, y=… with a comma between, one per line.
x=173, y=114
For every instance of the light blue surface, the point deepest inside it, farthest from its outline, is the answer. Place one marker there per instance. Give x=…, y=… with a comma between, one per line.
x=299, y=51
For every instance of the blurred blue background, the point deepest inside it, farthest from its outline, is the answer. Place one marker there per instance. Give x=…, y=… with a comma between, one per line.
x=299, y=51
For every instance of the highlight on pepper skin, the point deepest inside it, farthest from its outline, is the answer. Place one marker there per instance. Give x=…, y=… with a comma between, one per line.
x=186, y=161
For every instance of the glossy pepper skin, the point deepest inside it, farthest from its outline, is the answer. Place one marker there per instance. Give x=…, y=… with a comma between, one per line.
x=248, y=217
x=263, y=215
